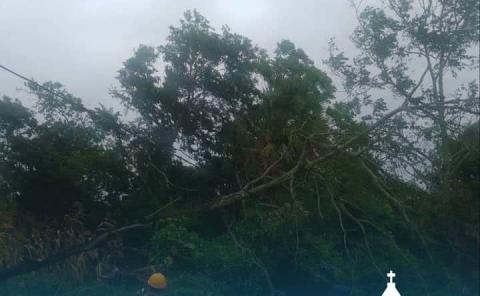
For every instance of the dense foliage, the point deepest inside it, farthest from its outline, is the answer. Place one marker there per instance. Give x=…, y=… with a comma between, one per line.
x=247, y=175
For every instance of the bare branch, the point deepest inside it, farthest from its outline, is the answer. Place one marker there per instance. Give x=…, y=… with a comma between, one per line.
x=379, y=185
x=156, y=212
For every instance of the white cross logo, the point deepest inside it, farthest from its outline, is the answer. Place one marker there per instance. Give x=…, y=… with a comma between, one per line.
x=391, y=289
x=391, y=275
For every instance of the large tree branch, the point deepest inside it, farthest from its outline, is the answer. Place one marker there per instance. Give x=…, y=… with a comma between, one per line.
x=32, y=265
x=382, y=188
x=353, y=139
x=222, y=201
x=229, y=199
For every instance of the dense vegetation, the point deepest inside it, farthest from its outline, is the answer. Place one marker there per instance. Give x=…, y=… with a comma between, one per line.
x=242, y=174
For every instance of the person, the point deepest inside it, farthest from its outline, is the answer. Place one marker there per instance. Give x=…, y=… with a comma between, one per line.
x=156, y=285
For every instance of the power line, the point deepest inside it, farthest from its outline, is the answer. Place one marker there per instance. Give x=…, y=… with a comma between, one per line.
x=84, y=109
x=32, y=81
x=62, y=96
x=17, y=74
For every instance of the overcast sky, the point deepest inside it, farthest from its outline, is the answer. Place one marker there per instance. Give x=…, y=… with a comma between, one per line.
x=82, y=43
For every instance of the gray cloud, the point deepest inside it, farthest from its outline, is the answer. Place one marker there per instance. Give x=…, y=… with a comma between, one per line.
x=82, y=43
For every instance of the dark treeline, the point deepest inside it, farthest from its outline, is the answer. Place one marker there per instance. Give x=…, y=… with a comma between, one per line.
x=244, y=172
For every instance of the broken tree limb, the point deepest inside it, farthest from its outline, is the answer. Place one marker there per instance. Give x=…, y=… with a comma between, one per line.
x=229, y=199
x=32, y=265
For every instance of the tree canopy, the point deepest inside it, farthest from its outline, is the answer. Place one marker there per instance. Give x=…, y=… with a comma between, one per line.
x=243, y=174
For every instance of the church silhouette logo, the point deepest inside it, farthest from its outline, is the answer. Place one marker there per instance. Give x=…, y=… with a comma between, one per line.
x=391, y=290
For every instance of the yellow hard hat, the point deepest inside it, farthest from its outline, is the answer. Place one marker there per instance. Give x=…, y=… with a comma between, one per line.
x=157, y=281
